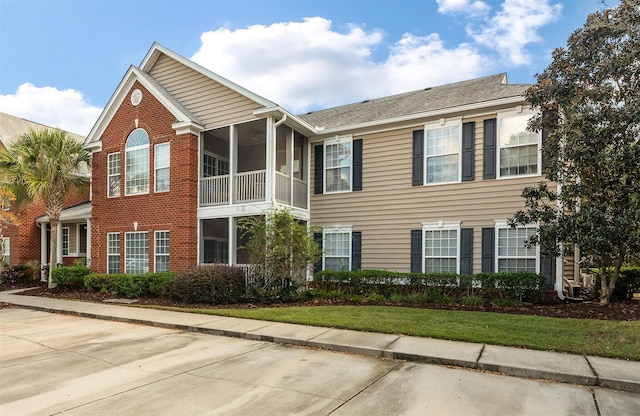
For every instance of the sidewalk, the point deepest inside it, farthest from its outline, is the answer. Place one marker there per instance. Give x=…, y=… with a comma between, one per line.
x=560, y=367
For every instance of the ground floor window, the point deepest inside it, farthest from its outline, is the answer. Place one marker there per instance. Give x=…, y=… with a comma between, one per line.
x=136, y=252
x=113, y=253
x=337, y=249
x=65, y=241
x=513, y=256
x=6, y=249
x=161, y=251
x=441, y=244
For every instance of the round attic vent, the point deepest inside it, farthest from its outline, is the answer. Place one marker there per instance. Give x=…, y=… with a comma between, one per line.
x=136, y=97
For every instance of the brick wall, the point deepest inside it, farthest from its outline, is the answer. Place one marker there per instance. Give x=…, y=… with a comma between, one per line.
x=175, y=211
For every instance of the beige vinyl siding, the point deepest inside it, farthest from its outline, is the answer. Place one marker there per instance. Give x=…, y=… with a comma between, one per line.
x=389, y=207
x=211, y=102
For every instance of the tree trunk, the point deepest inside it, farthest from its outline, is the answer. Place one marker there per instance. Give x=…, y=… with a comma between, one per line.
x=53, y=251
x=608, y=283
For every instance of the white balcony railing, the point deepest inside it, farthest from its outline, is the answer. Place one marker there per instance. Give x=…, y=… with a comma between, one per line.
x=214, y=190
x=250, y=186
x=283, y=188
x=299, y=193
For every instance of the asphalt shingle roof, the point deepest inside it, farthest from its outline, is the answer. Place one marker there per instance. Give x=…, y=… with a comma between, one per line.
x=429, y=99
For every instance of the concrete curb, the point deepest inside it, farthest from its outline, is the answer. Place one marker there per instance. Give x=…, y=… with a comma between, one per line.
x=565, y=368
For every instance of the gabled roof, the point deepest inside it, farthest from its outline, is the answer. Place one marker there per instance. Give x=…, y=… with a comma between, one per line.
x=428, y=100
x=12, y=127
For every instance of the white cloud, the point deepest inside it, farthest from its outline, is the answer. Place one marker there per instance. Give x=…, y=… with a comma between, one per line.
x=515, y=26
x=308, y=65
x=64, y=109
x=476, y=7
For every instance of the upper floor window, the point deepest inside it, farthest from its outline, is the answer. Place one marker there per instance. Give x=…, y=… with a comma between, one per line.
x=214, y=165
x=519, y=152
x=337, y=165
x=113, y=162
x=162, y=163
x=137, y=163
x=442, y=152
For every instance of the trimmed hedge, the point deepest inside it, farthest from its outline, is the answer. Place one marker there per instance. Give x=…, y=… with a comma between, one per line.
x=519, y=286
x=210, y=284
x=71, y=276
x=131, y=285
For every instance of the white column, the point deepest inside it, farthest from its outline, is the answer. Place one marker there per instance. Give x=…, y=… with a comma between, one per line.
x=270, y=163
x=233, y=241
x=88, y=242
x=59, y=250
x=289, y=155
x=44, y=255
x=233, y=162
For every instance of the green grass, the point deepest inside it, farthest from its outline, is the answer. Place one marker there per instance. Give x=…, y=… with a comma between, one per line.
x=619, y=339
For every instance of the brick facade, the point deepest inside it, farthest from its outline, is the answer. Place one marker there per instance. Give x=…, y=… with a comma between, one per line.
x=174, y=211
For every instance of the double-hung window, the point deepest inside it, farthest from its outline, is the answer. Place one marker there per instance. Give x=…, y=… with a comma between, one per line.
x=441, y=247
x=113, y=253
x=161, y=251
x=337, y=164
x=442, y=152
x=214, y=165
x=337, y=249
x=6, y=249
x=136, y=252
x=137, y=163
x=162, y=163
x=113, y=163
x=519, y=152
x=513, y=256
x=65, y=241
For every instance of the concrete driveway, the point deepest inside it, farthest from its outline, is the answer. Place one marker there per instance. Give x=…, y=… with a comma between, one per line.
x=51, y=364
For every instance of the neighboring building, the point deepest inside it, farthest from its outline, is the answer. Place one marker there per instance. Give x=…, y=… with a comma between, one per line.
x=421, y=181
x=30, y=239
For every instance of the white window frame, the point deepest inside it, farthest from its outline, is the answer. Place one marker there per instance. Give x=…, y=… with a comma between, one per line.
x=6, y=249
x=505, y=115
x=128, y=256
x=111, y=175
x=114, y=253
x=217, y=159
x=327, y=143
x=441, y=124
x=65, y=237
x=441, y=226
x=158, y=254
x=336, y=230
x=161, y=167
x=501, y=225
x=127, y=166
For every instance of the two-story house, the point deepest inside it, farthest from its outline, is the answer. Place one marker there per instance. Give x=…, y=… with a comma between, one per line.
x=29, y=240
x=420, y=181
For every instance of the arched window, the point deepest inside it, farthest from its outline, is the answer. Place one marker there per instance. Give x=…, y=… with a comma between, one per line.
x=137, y=163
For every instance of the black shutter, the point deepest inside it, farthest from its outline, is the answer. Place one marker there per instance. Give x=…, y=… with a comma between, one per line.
x=318, y=169
x=488, y=250
x=548, y=270
x=466, y=251
x=356, y=250
x=317, y=266
x=490, y=149
x=416, y=251
x=468, y=154
x=418, y=158
x=357, y=165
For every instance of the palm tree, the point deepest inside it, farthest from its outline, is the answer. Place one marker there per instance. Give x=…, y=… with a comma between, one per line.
x=45, y=164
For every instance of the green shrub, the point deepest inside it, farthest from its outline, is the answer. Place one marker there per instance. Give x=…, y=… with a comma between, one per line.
x=16, y=274
x=471, y=300
x=71, y=276
x=130, y=285
x=520, y=286
x=377, y=298
x=210, y=284
x=627, y=284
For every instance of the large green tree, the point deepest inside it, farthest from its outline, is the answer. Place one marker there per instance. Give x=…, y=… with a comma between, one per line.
x=589, y=110
x=46, y=164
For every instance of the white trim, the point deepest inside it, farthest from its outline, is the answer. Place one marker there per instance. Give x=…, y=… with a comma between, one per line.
x=337, y=140
x=336, y=229
x=155, y=248
x=109, y=175
x=156, y=168
x=441, y=123
x=133, y=149
x=442, y=226
x=119, y=251
x=68, y=244
x=519, y=111
x=125, y=249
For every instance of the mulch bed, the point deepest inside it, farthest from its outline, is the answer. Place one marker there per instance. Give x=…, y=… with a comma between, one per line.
x=590, y=309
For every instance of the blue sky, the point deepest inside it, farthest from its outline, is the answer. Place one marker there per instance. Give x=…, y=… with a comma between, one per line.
x=60, y=61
